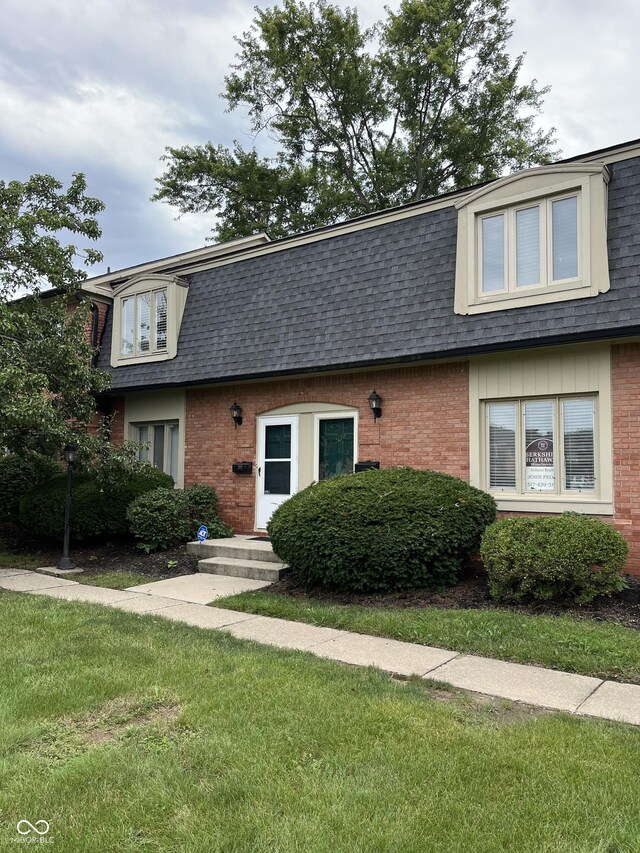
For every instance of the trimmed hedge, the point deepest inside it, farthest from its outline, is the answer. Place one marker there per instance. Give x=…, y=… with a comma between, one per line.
x=563, y=557
x=166, y=517
x=96, y=512
x=18, y=475
x=381, y=531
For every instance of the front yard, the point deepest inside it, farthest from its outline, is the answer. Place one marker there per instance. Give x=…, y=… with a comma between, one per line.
x=128, y=733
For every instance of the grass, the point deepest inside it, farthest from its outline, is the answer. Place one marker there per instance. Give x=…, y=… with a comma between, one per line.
x=115, y=579
x=19, y=561
x=604, y=650
x=135, y=733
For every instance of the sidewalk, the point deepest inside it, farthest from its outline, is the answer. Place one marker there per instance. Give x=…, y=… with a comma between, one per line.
x=182, y=600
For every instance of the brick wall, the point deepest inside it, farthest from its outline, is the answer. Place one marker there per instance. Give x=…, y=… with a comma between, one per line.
x=425, y=423
x=625, y=392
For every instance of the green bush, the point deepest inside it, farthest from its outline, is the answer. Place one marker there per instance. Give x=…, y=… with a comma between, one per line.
x=97, y=512
x=159, y=519
x=380, y=531
x=18, y=475
x=166, y=517
x=203, y=509
x=562, y=557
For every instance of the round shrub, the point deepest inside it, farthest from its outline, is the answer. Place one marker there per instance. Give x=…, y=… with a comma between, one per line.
x=562, y=557
x=203, y=509
x=380, y=531
x=18, y=475
x=97, y=512
x=159, y=519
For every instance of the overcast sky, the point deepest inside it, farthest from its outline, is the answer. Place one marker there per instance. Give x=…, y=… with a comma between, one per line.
x=102, y=86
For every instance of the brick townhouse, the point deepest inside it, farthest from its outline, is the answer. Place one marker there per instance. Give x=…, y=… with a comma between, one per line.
x=492, y=333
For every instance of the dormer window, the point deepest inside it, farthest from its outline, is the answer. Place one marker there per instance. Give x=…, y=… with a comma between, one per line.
x=144, y=323
x=535, y=237
x=147, y=315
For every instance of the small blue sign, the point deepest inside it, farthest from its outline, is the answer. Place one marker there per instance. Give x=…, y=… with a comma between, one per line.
x=202, y=533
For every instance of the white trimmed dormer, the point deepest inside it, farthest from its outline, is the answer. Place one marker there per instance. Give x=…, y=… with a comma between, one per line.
x=147, y=313
x=534, y=237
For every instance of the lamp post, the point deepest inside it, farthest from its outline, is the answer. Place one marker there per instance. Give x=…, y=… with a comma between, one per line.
x=69, y=452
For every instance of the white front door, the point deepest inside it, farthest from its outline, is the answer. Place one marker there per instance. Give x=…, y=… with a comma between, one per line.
x=277, y=474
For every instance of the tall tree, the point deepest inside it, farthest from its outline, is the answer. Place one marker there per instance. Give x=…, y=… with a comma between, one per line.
x=47, y=382
x=426, y=101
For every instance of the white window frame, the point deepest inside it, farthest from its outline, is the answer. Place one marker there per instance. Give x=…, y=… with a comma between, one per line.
x=166, y=462
x=176, y=290
x=521, y=491
x=153, y=322
x=545, y=247
x=534, y=187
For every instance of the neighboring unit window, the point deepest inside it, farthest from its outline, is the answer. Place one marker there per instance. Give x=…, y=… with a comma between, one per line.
x=532, y=246
x=542, y=446
x=144, y=323
x=160, y=446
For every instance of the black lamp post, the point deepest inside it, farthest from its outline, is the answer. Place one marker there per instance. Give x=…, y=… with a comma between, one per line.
x=69, y=452
x=375, y=401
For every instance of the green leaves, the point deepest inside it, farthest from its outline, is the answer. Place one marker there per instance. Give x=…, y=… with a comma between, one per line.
x=426, y=101
x=47, y=382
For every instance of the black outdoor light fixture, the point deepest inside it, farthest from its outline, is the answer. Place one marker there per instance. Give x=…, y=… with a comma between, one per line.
x=374, y=401
x=236, y=414
x=70, y=452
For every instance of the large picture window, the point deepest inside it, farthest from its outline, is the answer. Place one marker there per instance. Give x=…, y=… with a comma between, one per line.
x=541, y=446
x=535, y=245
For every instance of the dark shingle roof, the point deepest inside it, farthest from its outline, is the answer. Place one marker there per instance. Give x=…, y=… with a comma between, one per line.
x=380, y=294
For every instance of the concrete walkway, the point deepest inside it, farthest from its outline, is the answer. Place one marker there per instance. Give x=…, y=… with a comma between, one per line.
x=183, y=600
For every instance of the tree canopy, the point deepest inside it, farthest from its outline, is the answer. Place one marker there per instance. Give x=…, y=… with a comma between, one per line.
x=357, y=120
x=47, y=382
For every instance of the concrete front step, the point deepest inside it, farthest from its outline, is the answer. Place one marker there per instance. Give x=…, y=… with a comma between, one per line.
x=236, y=547
x=259, y=570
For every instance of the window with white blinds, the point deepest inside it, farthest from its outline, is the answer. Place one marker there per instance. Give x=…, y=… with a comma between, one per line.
x=527, y=247
x=545, y=446
x=159, y=444
x=144, y=323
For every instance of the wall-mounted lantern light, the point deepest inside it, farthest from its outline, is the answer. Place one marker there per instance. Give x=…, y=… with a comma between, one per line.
x=236, y=414
x=375, y=401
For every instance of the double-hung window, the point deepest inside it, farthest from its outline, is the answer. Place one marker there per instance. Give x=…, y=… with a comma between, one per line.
x=542, y=446
x=530, y=246
x=144, y=323
x=159, y=444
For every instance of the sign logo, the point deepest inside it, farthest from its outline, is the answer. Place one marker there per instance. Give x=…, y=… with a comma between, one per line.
x=25, y=827
x=203, y=532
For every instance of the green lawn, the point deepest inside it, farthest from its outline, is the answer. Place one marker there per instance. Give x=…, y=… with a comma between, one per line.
x=19, y=561
x=115, y=580
x=132, y=733
x=601, y=649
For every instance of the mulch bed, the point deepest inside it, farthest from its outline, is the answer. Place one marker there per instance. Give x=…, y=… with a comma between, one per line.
x=472, y=593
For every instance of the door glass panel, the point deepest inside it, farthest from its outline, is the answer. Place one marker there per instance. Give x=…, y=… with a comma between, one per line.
x=336, y=447
x=143, y=438
x=277, y=478
x=173, y=451
x=158, y=447
x=277, y=441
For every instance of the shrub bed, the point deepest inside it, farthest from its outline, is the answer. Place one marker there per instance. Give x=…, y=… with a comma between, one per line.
x=380, y=531
x=18, y=475
x=165, y=517
x=97, y=511
x=563, y=557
